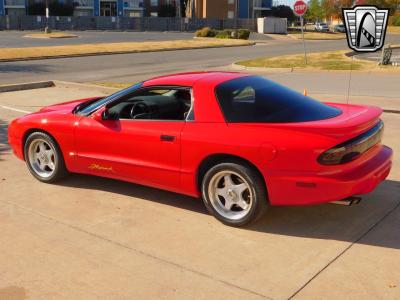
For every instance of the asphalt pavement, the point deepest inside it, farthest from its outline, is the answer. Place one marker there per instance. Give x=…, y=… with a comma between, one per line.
x=136, y=67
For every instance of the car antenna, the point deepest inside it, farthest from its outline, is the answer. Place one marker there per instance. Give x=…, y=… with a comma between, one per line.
x=349, y=84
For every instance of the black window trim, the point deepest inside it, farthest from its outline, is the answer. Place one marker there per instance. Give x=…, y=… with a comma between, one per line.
x=152, y=87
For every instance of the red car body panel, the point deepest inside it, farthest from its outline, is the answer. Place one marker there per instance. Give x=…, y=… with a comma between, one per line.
x=285, y=154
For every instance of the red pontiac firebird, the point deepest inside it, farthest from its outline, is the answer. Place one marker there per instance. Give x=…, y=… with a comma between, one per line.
x=242, y=142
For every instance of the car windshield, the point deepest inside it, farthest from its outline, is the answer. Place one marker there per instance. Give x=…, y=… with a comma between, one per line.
x=323, y=24
x=93, y=106
x=254, y=99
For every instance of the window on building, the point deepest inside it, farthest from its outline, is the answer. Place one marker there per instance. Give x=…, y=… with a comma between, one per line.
x=231, y=14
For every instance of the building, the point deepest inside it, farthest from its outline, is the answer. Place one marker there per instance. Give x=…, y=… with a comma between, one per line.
x=109, y=8
x=213, y=9
x=228, y=9
x=131, y=8
x=12, y=7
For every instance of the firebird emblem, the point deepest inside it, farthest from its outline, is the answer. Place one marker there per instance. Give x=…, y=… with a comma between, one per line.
x=101, y=168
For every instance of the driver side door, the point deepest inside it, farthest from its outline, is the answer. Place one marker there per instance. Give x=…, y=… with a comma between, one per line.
x=145, y=151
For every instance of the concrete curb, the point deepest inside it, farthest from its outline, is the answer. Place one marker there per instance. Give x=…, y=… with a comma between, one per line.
x=53, y=83
x=121, y=52
x=235, y=66
x=85, y=86
x=26, y=86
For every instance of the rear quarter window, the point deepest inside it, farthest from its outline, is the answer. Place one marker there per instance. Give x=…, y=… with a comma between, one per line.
x=259, y=100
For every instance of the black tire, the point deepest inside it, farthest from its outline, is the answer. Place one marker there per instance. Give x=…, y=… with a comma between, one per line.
x=59, y=171
x=259, y=203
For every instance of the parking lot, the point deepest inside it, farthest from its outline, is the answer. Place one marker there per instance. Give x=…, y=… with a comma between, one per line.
x=89, y=237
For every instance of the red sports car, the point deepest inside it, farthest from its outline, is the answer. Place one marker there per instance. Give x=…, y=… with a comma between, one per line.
x=242, y=142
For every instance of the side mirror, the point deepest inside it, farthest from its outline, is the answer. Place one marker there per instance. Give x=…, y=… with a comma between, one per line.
x=103, y=114
x=99, y=114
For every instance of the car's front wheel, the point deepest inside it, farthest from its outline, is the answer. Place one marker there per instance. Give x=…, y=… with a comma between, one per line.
x=44, y=158
x=234, y=193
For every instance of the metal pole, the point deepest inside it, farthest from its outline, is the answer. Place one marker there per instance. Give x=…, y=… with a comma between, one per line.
x=236, y=13
x=304, y=43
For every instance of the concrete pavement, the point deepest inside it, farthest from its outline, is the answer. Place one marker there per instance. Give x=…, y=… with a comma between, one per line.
x=89, y=237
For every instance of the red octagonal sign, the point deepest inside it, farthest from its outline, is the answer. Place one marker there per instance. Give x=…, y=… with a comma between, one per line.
x=300, y=8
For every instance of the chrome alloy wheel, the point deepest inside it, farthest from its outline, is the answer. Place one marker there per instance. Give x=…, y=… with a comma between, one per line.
x=42, y=158
x=230, y=195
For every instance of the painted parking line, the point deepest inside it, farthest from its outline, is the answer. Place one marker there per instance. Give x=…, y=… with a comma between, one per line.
x=15, y=109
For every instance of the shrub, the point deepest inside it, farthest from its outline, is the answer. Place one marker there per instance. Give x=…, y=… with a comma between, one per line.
x=243, y=34
x=223, y=35
x=395, y=21
x=205, y=32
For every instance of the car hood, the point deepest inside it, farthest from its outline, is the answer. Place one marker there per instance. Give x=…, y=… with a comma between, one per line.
x=66, y=106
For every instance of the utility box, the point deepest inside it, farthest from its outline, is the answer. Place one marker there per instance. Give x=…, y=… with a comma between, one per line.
x=272, y=25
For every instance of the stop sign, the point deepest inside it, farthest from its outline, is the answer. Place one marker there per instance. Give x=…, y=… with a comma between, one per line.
x=300, y=8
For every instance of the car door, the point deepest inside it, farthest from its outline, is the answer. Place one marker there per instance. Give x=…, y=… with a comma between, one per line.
x=145, y=151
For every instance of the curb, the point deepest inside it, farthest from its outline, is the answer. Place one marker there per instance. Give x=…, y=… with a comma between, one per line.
x=235, y=66
x=54, y=83
x=85, y=86
x=120, y=52
x=26, y=86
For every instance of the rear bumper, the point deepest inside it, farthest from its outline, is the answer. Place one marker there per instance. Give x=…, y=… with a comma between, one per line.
x=303, y=189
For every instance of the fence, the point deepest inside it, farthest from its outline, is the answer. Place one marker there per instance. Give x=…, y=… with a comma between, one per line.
x=121, y=23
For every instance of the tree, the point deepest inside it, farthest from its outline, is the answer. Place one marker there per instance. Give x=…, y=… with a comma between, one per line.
x=167, y=10
x=333, y=8
x=393, y=5
x=282, y=11
x=315, y=11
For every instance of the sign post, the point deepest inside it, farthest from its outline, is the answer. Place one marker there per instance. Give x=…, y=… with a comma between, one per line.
x=300, y=8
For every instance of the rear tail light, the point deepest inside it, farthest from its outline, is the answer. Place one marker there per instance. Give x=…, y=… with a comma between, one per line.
x=351, y=149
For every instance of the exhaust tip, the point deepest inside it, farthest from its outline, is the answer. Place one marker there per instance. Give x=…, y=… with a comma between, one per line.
x=348, y=201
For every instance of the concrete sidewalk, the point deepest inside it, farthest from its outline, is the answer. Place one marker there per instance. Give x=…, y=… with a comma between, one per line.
x=90, y=238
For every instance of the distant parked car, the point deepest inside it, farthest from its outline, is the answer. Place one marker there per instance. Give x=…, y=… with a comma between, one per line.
x=339, y=28
x=321, y=27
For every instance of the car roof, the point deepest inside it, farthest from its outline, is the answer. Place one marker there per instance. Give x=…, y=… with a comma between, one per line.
x=190, y=78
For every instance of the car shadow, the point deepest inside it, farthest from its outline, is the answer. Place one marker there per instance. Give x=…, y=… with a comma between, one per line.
x=325, y=221
x=4, y=147
x=134, y=190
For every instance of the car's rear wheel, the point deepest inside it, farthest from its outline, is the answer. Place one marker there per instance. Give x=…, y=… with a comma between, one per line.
x=234, y=193
x=44, y=158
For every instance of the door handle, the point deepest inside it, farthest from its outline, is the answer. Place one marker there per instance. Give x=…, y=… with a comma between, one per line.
x=167, y=138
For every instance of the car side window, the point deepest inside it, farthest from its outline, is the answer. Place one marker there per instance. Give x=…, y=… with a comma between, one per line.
x=161, y=103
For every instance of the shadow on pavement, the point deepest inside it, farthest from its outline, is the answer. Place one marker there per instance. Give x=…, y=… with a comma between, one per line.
x=134, y=190
x=326, y=221
x=329, y=221
x=11, y=67
x=4, y=147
